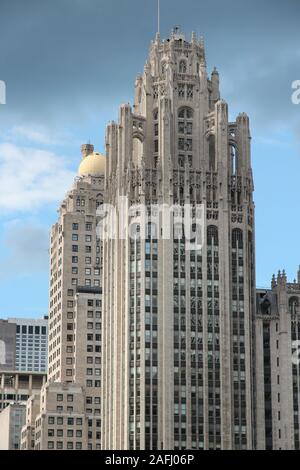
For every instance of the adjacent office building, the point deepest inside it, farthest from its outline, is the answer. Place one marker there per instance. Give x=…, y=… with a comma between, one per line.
x=74, y=320
x=278, y=365
x=19, y=386
x=24, y=344
x=31, y=344
x=11, y=421
x=177, y=327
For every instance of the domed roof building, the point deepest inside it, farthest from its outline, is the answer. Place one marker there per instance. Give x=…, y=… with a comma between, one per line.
x=93, y=163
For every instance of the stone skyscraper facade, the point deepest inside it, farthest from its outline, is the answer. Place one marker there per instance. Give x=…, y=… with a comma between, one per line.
x=72, y=395
x=178, y=324
x=278, y=365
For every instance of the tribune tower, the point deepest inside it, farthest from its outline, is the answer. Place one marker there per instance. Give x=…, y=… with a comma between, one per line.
x=178, y=325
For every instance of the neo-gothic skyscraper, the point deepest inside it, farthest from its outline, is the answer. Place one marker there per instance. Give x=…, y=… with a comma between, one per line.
x=177, y=368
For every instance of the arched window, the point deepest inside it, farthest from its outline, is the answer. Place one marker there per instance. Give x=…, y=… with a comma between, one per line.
x=237, y=239
x=156, y=136
x=294, y=305
x=186, y=112
x=163, y=68
x=185, y=136
x=137, y=151
x=234, y=159
x=265, y=306
x=212, y=236
x=212, y=152
x=182, y=66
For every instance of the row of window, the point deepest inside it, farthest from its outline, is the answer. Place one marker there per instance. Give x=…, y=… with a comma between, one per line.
x=37, y=330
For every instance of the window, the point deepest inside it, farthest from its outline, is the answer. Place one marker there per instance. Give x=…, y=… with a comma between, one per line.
x=59, y=445
x=88, y=227
x=78, y=433
x=59, y=397
x=70, y=423
x=75, y=237
x=182, y=66
x=88, y=260
x=79, y=421
x=69, y=409
x=44, y=330
x=88, y=271
x=60, y=420
x=50, y=432
x=30, y=330
x=50, y=445
x=75, y=226
x=75, y=270
x=59, y=409
x=88, y=238
x=74, y=259
x=51, y=420
x=69, y=398
x=75, y=248
x=60, y=433
x=69, y=445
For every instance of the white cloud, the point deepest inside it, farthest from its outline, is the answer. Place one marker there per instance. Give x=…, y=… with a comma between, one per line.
x=32, y=135
x=31, y=178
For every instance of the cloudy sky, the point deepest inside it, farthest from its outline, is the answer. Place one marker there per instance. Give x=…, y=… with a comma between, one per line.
x=68, y=64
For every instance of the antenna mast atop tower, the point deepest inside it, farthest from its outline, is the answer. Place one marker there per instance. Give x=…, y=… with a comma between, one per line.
x=158, y=16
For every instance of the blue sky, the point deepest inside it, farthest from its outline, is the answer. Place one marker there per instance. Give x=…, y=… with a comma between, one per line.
x=68, y=64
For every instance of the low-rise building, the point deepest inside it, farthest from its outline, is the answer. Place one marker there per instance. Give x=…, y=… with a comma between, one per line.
x=12, y=419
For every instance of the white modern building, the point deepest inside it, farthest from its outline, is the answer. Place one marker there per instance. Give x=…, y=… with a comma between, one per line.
x=31, y=344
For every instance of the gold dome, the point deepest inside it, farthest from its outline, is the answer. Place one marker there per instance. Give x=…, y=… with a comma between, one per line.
x=93, y=164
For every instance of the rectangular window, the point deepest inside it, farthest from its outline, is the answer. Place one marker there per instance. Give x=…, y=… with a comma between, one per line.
x=69, y=398
x=59, y=397
x=88, y=227
x=75, y=226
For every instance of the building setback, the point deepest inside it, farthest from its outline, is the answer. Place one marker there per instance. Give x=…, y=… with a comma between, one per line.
x=178, y=324
x=19, y=386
